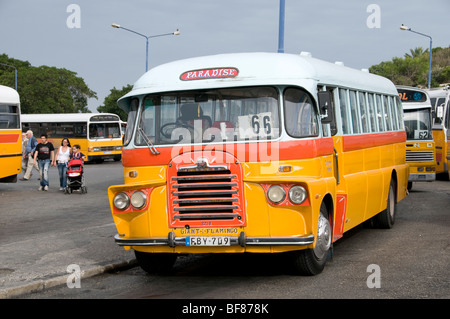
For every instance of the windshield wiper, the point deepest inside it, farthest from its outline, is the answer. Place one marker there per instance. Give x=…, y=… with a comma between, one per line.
x=150, y=145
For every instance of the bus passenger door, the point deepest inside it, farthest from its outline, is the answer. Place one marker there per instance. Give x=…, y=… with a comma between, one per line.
x=330, y=95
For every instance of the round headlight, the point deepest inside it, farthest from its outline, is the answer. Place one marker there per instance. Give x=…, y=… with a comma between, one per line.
x=138, y=199
x=121, y=201
x=297, y=194
x=276, y=194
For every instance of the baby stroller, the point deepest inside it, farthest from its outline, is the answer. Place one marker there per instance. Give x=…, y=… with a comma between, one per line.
x=75, y=177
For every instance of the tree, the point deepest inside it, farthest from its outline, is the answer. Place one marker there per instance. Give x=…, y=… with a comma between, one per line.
x=110, y=103
x=47, y=89
x=412, y=69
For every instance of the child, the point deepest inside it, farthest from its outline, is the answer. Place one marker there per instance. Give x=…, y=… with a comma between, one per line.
x=76, y=154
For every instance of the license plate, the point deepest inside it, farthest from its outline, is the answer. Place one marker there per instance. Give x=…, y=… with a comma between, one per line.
x=207, y=241
x=106, y=152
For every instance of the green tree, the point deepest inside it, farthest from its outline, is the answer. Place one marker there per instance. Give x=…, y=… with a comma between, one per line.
x=412, y=69
x=47, y=89
x=110, y=103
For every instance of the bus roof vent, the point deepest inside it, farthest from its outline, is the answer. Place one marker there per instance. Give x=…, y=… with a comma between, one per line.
x=339, y=63
x=305, y=53
x=365, y=70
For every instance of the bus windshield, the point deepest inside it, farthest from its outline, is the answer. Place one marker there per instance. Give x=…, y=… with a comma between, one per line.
x=418, y=124
x=104, y=130
x=206, y=116
x=9, y=116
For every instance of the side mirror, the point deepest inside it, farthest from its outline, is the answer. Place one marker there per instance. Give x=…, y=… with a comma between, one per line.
x=325, y=106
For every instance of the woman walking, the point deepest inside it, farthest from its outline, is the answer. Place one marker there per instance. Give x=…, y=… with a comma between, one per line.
x=61, y=160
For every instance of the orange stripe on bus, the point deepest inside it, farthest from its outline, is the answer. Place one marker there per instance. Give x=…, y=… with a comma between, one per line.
x=357, y=142
x=9, y=138
x=244, y=152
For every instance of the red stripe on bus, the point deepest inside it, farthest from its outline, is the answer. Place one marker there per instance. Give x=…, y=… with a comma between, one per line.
x=357, y=142
x=9, y=138
x=244, y=152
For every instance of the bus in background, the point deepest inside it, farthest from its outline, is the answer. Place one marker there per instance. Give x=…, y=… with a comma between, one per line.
x=10, y=135
x=420, y=148
x=441, y=129
x=98, y=134
x=256, y=153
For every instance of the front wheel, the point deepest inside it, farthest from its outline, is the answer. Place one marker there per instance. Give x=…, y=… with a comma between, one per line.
x=311, y=262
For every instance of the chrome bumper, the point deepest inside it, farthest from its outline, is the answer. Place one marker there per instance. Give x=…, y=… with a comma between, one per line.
x=422, y=177
x=242, y=241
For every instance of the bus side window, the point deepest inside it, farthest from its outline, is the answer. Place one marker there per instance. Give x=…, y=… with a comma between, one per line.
x=393, y=111
x=354, y=113
x=343, y=105
x=387, y=114
x=363, y=112
x=380, y=115
x=399, y=107
x=372, y=113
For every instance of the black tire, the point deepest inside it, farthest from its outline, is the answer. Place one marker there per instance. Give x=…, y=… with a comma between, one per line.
x=386, y=218
x=161, y=263
x=310, y=262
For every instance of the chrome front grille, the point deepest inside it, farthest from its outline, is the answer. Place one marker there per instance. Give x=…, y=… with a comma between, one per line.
x=206, y=195
x=419, y=156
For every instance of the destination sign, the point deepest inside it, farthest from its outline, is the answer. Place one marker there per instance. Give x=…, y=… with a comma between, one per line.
x=213, y=73
x=411, y=96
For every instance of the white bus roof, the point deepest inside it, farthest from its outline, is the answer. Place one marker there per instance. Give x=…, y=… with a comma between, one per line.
x=61, y=117
x=415, y=105
x=257, y=69
x=438, y=92
x=8, y=95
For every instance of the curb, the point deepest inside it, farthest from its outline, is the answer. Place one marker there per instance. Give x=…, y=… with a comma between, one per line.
x=41, y=285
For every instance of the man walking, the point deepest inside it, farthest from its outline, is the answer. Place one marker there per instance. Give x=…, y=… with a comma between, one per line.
x=29, y=152
x=44, y=154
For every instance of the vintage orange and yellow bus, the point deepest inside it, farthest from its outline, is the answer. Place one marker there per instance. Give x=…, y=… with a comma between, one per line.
x=10, y=135
x=420, y=148
x=98, y=134
x=256, y=153
x=440, y=100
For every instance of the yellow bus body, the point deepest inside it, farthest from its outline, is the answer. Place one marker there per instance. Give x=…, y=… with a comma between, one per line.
x=350, y=174
x=442, y=148
x=10, y=135
x=421, y=167
x=10, y=153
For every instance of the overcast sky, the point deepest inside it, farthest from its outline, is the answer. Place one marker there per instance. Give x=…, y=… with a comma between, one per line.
x=80, y=38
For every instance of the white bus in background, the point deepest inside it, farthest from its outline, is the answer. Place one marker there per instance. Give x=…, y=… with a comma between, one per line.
x=420, y=148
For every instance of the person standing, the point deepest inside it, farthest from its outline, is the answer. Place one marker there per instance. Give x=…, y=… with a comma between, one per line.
x=45, y=155
x=29, y=155
x=24, y=152
x=61, y=160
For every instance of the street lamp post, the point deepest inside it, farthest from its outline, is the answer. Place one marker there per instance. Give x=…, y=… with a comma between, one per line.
x=281, y=27
x=405, y=28
x=117, y=26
